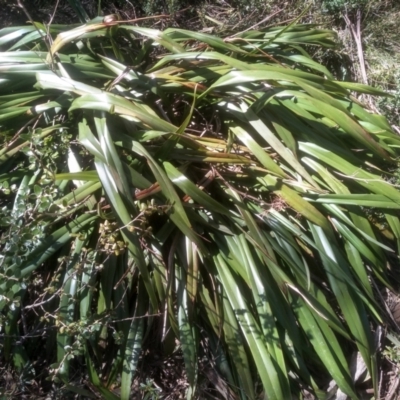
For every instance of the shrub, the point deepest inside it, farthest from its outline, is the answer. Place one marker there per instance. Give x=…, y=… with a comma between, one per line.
x=161, y=186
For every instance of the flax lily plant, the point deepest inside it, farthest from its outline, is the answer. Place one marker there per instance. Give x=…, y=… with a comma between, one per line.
x=175, y=191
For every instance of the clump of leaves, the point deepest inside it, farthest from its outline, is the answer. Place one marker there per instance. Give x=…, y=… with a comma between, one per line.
x=392, y=350
x=201, y=190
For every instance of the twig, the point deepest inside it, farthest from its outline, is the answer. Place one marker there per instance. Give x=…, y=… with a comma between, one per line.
x=42, y=302
x=258, y=23
x=54, y=13
x=393, y=388
x=359, y=47
x=44, y=37
x=357, y=39
x=205, y=181
x=137, y=317
x=116, y=21
x=19, y=3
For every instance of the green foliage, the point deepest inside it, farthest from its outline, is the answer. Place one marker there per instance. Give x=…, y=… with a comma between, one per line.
x=154, y=7
x=150, y=392
x=391, y=106
x=165, y=187
x=384, y=68
x=392, y=351
x=338, y=6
